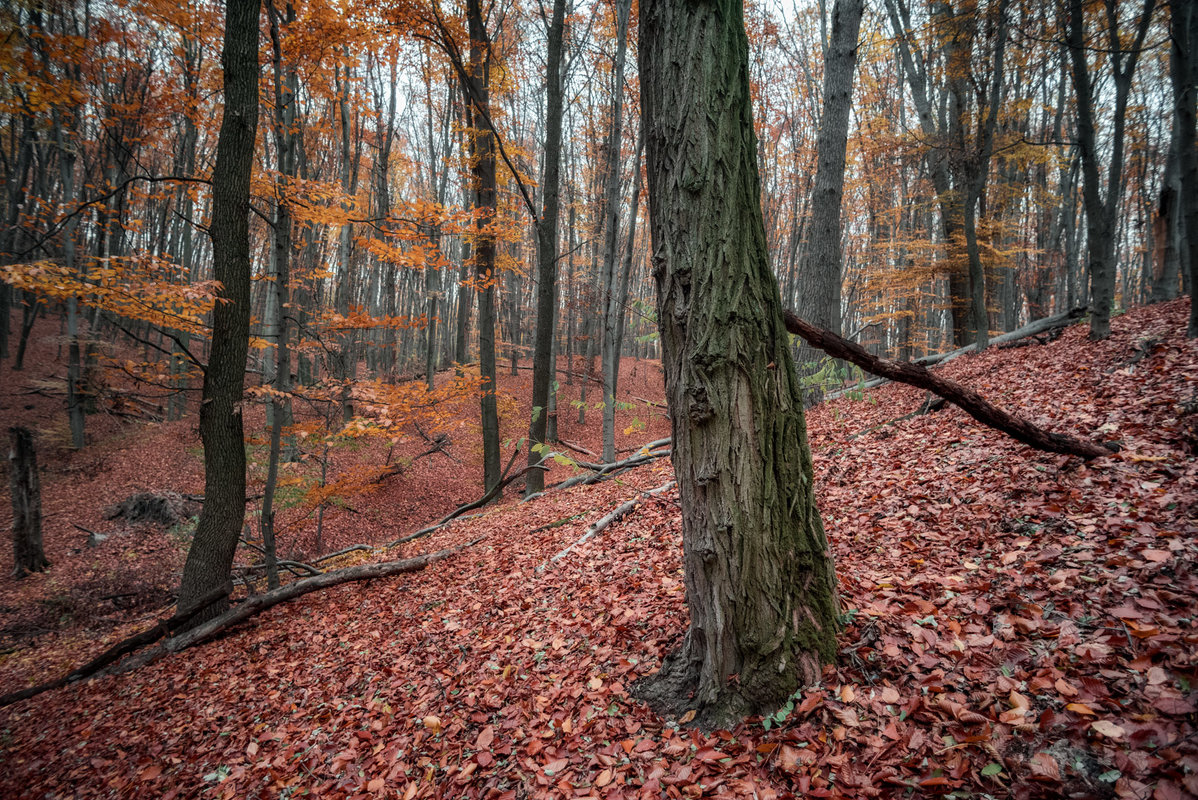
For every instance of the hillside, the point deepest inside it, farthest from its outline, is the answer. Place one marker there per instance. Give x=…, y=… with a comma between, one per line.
x=1018, y=623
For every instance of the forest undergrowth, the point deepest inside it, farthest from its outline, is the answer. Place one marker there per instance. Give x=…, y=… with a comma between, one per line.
x=1016, y=623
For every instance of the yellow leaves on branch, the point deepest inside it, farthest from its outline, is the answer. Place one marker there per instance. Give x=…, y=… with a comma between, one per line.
x=388, y=408
x=139, y=287
x=358, y=319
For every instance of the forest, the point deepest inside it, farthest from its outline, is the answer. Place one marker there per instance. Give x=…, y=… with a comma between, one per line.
x=680, y=398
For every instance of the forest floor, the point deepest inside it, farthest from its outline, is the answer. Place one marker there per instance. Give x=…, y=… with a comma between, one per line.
x=1017, y=623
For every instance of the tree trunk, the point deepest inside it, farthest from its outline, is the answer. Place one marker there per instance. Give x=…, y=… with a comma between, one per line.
x=1102, y=213
x=819, y=272
x=1184, y=70
x=477, y=93
x=759, y=577
x=210, y=558
x=613, y=302
x=28, y=555
x=546, y=228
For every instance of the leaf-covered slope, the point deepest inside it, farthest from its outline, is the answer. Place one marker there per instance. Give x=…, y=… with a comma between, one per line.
x=1020, y=624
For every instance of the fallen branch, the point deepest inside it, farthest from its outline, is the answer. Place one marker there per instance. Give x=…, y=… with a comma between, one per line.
x=178, y=621
x=602, y=472
x=258, y=603
x=342, y=552
x=1031, y=329
x=577, y=448
x=645, y=452
x=248, y=608
x=290, y=566
x=604, y=522
x=650, y=402
x=970, y=401
x=930, y=405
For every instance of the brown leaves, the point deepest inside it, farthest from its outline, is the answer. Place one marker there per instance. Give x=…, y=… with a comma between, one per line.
x=484, y=678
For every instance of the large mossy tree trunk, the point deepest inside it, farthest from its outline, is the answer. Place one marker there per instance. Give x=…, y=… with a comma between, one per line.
x=210, y=558
x=28, y=553
x=759, y=577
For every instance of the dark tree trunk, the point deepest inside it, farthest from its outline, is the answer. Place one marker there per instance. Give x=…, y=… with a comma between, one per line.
x=210, y=557
x=477, y=95
x=610, y=285
x=28, y=555
x=759, y=577
x=1102, y=213
x=1184, y=69
x=542, y=360
x=819, y=272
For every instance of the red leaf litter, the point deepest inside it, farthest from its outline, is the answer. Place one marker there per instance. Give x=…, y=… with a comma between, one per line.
x=1017, y=623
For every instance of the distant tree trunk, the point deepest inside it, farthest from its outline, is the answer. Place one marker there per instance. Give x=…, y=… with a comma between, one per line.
x=461, y=339
x=14, y=197
x=30, y=308
x=1102, y=213
x=477, y=95
x=346, y=359
x=947, y=196
x=210, y=558
x=28, y=555
x=543, y=363
x=976, y=172
x=818, y=276
x=1183, y=26
x=613, y=302
x=759, y=577
x=1167, y=226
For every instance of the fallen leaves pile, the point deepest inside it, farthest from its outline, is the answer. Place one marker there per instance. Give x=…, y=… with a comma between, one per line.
x=1017, y=624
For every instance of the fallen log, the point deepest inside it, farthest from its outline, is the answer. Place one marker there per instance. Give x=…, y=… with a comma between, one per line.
x=1031, y=329
x=165, y=627
x=968, y=400
x=344, y=551
x=250, y=607
x=643, y=452
x=601, y=472
x=606, y=521
x=577, y=448
x=258, y=603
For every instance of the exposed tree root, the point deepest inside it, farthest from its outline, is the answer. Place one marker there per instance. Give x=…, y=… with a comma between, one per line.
x=970, y=401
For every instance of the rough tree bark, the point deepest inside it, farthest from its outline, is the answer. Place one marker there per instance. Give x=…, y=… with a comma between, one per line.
x=759, y=578
x=27, y=551
x=210, y=557
x=543, y=362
